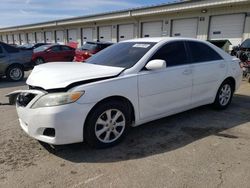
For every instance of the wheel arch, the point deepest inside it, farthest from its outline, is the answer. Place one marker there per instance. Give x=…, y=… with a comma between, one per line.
x=114, y=98
x=231, y=80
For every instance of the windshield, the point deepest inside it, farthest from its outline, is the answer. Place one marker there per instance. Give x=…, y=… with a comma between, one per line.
x=42, y=48
x=125, y=54
x=246, y=44
x=88, y=46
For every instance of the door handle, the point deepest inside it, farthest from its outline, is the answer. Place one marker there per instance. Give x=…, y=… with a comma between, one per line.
x=222, y=65
x=187, y=72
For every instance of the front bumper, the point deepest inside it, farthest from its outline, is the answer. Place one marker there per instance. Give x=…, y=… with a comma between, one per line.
x=67, y=121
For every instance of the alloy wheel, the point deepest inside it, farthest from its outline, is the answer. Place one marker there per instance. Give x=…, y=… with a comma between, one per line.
x=110, y=125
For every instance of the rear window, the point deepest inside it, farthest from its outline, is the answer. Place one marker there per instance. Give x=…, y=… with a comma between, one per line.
x=200, y=52
x=89, y=46
x=10, y=49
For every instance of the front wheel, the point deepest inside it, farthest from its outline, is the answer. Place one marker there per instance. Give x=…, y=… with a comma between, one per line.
x=107, y=124
x=224, y=96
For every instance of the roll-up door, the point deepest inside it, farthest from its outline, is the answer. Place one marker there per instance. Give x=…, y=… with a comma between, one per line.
x=16, y=39
x=152, y=29
x=227, y=27
x=185, y=28
x=87, y=34
x=10, y=39
x=59, y=37
x=31, y=38
x=48, y=36
x=23, y=38
x=126, y=32
x=105, y=33
x=72, y=35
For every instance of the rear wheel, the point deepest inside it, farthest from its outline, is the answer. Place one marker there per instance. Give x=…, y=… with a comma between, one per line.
x=224, y=95
x=107, y=124
x=15, y=73
x=39, y=61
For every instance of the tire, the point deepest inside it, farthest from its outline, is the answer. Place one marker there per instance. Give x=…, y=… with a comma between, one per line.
x=15, y=73
x=224, y=96
x=39, y=61
x=107, y=133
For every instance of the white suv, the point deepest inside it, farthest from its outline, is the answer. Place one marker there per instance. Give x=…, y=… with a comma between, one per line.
x=127, y=84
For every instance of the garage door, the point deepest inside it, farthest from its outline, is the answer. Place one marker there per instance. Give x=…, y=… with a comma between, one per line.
x=227, y=27
x=4, y=37
x=48, y=36
x=31, y=38
x=152, y=29
x=72, y=35
x=126, y=32
x=16, y=39
x=185, y=28
x=23, y=38
x=87, y=34
x=105, y=33
x=10, y=39
x=59, y=37
x=39, y=37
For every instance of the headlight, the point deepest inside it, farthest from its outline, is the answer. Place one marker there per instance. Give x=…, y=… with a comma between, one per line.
x=56, y=99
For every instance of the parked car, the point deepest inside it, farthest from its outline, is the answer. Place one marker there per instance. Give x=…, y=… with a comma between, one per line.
x=52, y=53
x=238, y=50
x=127, y=84
x=88, y=49
x=13, y=62
x=32, y=46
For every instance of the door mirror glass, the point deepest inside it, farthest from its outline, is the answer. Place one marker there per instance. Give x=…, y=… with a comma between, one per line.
x=156, y=64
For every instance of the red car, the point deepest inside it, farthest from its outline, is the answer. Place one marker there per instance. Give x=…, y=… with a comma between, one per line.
x=88, y=49
x=50, y=53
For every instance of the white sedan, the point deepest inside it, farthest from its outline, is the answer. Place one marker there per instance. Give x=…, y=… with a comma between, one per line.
x=127, y=84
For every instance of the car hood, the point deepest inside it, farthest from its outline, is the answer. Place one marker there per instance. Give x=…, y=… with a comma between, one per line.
x=62, y=74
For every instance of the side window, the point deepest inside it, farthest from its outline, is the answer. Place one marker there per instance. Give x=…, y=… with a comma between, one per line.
x=55, y=49
x=173, y=53
x=66, y=48
x=200, y=52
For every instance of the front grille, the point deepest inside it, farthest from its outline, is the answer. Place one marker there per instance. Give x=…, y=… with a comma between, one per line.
x=23, y=99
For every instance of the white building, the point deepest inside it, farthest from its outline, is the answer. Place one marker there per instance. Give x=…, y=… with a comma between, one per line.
x=202, y=19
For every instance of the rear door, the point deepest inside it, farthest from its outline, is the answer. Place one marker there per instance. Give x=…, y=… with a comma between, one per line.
x=209, y=70
x=168, y=90
x=67, y=53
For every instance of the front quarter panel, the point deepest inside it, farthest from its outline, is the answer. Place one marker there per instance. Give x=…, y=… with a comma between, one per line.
x=124, y=86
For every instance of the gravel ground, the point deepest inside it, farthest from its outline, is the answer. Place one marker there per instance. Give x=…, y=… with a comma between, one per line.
x=197, y=148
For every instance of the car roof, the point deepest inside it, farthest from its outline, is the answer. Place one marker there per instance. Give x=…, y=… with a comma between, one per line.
x=93, y=42
x=160, y=39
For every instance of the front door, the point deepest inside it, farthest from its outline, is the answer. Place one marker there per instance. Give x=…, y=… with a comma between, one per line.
x=166, y=91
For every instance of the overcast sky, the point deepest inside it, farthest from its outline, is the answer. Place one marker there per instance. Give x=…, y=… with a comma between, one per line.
x=19, y=12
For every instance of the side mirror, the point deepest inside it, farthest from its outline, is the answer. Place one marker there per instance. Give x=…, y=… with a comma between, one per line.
x=156, y=64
